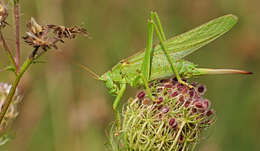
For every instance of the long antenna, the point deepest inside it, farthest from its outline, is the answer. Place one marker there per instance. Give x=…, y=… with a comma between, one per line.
x=92, y=73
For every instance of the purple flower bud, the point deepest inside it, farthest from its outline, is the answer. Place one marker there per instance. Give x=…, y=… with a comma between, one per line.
x=181, y=139
x=159, y=100
x=187, y=103
x=141, y=95
x=184, y=90
x=181, y=99
x=165, y=109
x=206, y=104
x=174, y=94
x=210, y=112
x=201, y=89
x=198, y=105
x=168, y=85
x=191, y=93
x=173, y=123
x=180, y=87
x=194, y=84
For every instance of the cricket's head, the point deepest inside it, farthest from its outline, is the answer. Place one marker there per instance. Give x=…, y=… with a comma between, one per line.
x=110, y=83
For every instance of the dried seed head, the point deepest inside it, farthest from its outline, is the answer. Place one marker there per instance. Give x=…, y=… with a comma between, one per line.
x=12, y=111
x=3, y=14
x=65, y=32
x=38, y=36
x=47, y=36
x=146, y=122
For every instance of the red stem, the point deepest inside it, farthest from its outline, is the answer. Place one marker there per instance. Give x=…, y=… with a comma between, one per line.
x=17, y=32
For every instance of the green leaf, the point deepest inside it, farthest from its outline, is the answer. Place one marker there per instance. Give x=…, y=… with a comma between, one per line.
x=10, y=68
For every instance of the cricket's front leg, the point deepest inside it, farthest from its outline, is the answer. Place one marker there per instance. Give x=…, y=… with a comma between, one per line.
x=162, y=38
x=115, y=105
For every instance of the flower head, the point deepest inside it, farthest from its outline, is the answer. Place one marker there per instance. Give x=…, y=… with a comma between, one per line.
x=174, y=121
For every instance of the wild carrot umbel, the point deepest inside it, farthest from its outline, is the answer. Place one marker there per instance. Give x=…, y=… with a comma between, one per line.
x=174, y=121
x=41, y=37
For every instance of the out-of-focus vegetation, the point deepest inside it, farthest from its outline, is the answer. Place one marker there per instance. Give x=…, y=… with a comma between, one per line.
x=64, y=109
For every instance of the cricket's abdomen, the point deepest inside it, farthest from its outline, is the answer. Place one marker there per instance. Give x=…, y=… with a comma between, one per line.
x=160, y=69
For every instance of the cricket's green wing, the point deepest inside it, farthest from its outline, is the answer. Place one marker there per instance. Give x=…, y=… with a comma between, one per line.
x=178, y=47
x=186, y=43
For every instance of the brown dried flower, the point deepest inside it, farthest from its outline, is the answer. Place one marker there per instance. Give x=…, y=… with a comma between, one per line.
x=3, y=14
x=48, y=36
x=65, y=32
x=38, y=36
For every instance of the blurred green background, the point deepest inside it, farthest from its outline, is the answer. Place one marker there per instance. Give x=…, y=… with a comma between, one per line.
x=64, y=109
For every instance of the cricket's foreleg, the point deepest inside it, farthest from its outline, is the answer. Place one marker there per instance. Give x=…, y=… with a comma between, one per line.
x=146, y=65
x=162, y=38
x=116, y=103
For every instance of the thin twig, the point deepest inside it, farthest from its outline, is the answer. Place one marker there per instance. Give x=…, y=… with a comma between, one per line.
x=16, y=11
x=10, y=56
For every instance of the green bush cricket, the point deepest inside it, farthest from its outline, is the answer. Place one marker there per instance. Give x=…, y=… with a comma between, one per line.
x=166, y=58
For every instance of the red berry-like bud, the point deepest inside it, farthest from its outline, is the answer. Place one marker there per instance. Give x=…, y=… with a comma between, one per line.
x=201, y=89
x=141, y=95
x=198, y=105
x=206, y=104
x=210, y=112
x=174, y=94
x=160, y=100
x=191, y=93
x=173, y=123
x=168, y=85
x=187, y=103
x=165, y=109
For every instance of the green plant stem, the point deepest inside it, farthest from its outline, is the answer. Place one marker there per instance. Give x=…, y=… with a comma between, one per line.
x=9, y=54
x=9, y=98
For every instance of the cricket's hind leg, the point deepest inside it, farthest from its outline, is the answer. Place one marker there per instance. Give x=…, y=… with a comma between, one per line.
x=146, y=65
x=162, y=38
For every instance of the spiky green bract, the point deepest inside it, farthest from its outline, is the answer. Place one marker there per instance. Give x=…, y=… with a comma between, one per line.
x=174, y=122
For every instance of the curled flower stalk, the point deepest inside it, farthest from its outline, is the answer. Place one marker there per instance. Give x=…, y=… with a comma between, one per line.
x=173, y=122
